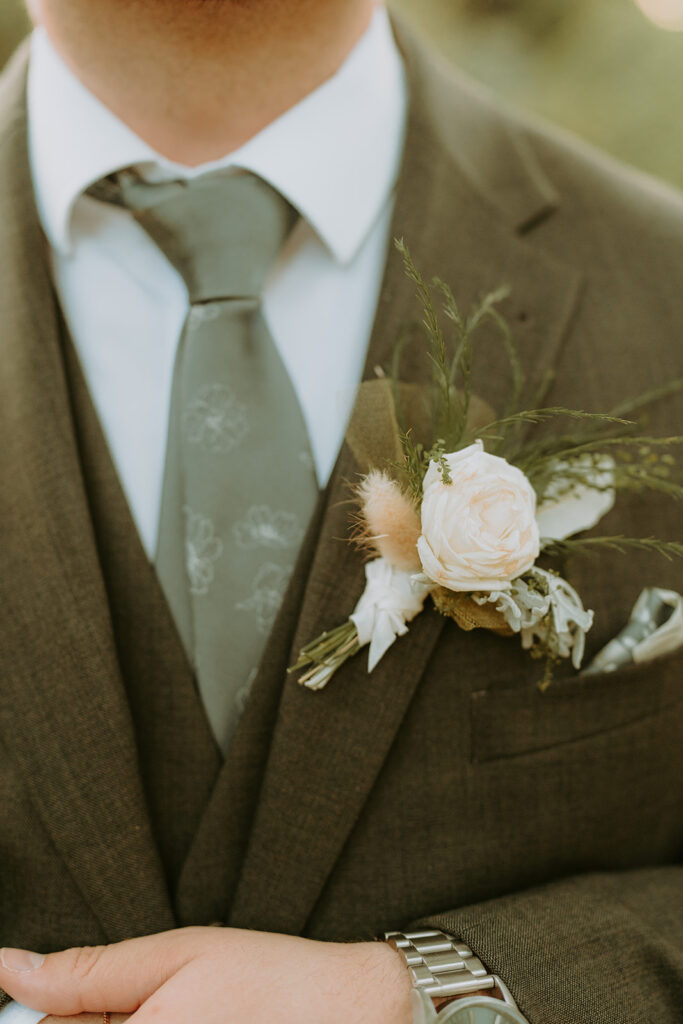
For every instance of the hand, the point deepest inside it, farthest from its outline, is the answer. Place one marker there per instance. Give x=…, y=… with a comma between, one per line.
x=218, y=976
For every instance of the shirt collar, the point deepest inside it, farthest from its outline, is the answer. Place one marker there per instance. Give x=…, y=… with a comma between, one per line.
x=335, y=155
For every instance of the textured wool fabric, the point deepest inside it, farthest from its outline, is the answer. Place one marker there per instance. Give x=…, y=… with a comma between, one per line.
x=607, y=936
x=545, y=829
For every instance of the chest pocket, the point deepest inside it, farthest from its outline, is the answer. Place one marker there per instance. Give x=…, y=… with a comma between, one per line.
x=513, y=720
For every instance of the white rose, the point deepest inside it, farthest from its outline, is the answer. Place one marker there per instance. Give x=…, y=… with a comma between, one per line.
x=479, y=532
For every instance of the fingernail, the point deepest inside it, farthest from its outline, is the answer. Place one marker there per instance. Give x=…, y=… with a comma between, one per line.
x=21, y=961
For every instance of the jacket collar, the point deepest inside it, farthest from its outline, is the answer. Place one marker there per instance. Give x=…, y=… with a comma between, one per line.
x=486, y=144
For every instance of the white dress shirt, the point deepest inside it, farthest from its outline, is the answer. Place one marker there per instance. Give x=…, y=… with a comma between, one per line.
x=15, y=1013
x=335, y=156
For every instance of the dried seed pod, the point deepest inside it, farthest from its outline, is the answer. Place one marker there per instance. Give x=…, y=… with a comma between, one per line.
x=388, y=522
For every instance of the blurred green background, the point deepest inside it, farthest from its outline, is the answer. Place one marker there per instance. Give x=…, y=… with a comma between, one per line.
x=610, y=70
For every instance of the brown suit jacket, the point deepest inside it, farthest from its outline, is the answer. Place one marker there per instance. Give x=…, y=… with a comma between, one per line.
x=544, y=829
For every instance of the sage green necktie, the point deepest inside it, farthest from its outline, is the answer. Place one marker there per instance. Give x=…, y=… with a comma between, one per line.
x=239, y=484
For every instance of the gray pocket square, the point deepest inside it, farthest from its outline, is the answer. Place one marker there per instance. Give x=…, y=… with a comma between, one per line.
x=655, y=628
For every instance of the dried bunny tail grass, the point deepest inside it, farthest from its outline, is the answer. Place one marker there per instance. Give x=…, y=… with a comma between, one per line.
x=388, y=523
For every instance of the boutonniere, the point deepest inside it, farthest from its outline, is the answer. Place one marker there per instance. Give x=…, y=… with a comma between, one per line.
x=463, y=516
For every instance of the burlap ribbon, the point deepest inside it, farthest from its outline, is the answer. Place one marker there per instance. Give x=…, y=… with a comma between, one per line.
x=373, y=433
x=384, y=408
x=469, y=615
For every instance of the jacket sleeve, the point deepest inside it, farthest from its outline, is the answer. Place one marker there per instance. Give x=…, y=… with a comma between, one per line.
x=590, y=949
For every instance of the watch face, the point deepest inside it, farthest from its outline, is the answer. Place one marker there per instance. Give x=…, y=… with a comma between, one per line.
x=480, y=1010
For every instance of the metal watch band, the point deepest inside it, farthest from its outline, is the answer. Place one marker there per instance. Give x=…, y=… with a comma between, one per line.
x=440, y=966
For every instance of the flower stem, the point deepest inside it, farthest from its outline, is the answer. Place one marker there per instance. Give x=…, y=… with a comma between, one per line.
x=326, y=654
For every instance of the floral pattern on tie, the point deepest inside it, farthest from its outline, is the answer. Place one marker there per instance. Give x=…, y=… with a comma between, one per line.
x=202, y=550
x=216, y=420
x=268, y=528
x=268, y=589
x=242, y=694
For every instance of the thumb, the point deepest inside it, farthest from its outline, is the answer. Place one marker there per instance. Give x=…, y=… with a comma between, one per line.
x=93, y=978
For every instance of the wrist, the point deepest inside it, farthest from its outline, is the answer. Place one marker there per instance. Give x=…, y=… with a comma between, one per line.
x=388, y=984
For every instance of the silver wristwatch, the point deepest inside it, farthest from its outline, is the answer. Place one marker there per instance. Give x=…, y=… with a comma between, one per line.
x=450, y=983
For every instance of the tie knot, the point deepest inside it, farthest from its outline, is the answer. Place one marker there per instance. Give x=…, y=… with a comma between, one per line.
x=221, y=232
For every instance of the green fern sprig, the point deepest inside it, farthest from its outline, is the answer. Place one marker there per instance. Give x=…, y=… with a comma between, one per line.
x=413, y=466
x=451, y=359
x=648, y=473
x=559, y=446
x=550, y=447
x=536, y=416
x=460, y=369
x=649, y=397
x=518, y=379
x=670, y=549
x=598, y=445
x=581, y=465
x=638, y=478
x=449, y=417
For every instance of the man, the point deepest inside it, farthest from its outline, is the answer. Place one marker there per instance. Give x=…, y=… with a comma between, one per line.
x=140, y=805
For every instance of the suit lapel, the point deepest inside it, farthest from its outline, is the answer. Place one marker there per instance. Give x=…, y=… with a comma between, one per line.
x=64, y=716
x=468, y=193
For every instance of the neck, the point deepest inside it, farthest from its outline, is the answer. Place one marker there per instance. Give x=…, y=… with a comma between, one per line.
x=198, y=82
